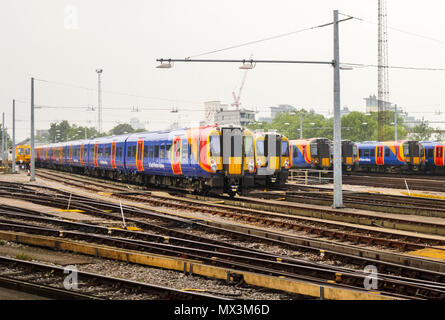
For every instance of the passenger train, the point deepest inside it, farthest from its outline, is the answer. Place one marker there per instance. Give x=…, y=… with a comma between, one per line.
x=433, y=156
x=220, y=159
x=310, y=153
x=404, y=155
x=272, y=158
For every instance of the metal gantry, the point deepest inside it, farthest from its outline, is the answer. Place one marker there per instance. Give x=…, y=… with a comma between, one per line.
x=338, y=194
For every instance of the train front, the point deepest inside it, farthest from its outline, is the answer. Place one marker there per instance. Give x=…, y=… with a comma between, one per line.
x=412, y=154
x=320, y=153
x=349, y=155
x=271, y=163
x=235, y=152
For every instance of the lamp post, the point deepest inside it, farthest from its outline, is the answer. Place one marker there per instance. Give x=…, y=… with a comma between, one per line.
x=13, y=136
x=250, y=64
x=99, y=101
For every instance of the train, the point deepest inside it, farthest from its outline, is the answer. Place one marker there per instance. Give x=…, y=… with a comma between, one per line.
x=272, y=155
x=208, y=159
x=310, y=153
x=433, y=157
x=403, y=155
x=22, y=154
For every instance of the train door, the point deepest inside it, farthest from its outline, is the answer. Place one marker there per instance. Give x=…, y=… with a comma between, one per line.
x=113, y=155
x=176, y=156
x=96, y=148
x=139, y=153
x=379, y=159
x=185, y=155
x=70, y=159
x=81, y=155
x=439, y=159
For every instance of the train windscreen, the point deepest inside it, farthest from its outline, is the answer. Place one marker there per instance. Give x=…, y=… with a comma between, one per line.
x=260, y=148
x=248, y=146
x=284, y=148
x=323, y=148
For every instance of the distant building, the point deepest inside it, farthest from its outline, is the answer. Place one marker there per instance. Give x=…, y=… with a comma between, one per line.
x=274, y=111
x=345, y=111
x=241, y=117
x=211, y=108
x=372, y=104
x=136, y=124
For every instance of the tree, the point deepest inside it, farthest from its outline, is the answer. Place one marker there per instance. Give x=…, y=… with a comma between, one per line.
x=122, y=128
x=422, y=132
x=356, y=126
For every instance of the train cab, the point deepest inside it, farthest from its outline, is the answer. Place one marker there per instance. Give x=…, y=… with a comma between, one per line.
x=271, y=158
x=311, y=153
x=22, y=154
x=349, y=155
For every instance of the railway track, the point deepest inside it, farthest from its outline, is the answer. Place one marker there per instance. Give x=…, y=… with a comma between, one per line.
x=423, y=183
x=330, y=225
x=48, y=281
x=221, y=258
x=359, y=200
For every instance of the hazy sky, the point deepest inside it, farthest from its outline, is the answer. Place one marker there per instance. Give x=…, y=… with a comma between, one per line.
x=65, y=41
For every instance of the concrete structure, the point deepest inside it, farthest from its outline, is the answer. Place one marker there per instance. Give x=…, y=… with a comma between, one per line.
x=274, y=111
x=372, y=104
x=211, y=108
x=236, y=117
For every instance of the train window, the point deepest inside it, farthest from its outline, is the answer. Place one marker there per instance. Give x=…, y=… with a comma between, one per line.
x=167, y=151
x=129, y=152
x=430, y=153
x=145, y=151
x=107, y=151
x=406, y=149
x=156, y=155
x=314, y=150
x=150, y=151
x=366, y=153
x=215, y=146
x=373, y=153
x=134, y=152
x=248, y=146
x=438, y=152
x=260, y=148
x=284, y=148
x=386, y=152
x=161, y=152
x=20, y=151
x=185, y=147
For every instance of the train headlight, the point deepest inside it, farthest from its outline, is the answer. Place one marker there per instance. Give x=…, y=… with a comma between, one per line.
x=213, y=165
x=286, y=163
x=259, y=163
x=251, y=165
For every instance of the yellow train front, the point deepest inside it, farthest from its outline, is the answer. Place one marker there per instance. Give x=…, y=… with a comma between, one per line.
x=272, y=160
x=22, y=154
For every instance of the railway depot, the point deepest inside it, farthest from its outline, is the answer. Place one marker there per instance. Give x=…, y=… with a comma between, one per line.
x=127, y=176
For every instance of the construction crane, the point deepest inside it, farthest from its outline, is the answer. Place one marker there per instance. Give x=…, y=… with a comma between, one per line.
x=383, y=77
x=236, y=103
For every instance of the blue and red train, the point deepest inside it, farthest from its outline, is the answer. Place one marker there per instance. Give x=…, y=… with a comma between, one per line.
x=220, y=159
